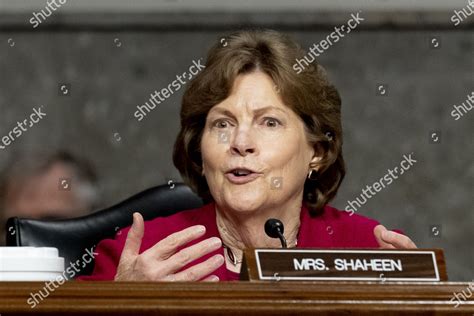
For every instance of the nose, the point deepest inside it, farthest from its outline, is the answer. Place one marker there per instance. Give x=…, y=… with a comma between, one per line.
x=243, y=143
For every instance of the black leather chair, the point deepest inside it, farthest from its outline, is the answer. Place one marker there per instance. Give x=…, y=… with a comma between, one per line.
x=73, y=236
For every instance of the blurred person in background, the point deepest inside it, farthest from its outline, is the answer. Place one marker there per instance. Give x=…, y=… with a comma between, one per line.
x=46, y=186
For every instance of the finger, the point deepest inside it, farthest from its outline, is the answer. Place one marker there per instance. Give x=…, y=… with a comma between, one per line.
x=398, y=240
x=168, y=246
x=199, y=271
x=134, y=237
x=211, y=278
x=189, y=254
x=378, y=230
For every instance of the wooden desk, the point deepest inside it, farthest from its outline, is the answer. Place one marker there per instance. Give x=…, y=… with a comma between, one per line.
x=237, y=298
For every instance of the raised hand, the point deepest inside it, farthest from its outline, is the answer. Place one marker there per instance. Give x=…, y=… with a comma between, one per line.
x=162, y=261
x=391, y=240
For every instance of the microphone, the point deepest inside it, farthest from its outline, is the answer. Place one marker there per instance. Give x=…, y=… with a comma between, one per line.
x=274, y=228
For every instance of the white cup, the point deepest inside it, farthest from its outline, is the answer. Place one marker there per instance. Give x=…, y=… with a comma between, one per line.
x=30, y=264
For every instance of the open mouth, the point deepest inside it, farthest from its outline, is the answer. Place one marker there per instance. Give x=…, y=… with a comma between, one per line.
x=241, y=175
x=241, y=172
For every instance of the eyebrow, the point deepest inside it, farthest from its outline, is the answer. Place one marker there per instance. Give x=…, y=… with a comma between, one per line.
x=258, y=111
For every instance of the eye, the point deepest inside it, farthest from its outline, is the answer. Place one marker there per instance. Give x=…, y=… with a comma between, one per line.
x=271, y=122
x=220, y=123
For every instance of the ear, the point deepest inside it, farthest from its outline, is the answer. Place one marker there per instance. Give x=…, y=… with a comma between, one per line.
x=314, y=164
x=316, y=158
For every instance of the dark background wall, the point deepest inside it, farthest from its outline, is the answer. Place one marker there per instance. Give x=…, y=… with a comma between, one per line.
x=113, y=63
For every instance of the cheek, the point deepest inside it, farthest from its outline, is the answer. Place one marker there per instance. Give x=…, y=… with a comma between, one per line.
x=291, y=163
x=287, y=154
x=212, y=152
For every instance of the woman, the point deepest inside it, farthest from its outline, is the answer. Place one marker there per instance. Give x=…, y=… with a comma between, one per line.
x=257, y=141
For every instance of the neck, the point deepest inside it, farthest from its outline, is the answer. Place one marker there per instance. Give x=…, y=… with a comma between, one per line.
x=240, y=231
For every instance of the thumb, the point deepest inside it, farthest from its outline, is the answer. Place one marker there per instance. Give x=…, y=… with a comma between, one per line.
x=378, y=231
x=134, y=237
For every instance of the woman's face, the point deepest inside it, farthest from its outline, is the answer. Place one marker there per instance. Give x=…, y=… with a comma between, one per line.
x=253, y=130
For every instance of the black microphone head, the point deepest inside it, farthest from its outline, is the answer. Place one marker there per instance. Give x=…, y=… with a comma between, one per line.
x=274, y=227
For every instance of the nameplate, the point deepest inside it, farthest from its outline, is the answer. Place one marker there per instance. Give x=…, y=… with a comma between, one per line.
x=344, y=265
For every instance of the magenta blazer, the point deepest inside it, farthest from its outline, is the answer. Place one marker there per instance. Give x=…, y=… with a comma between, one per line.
x=332, y=229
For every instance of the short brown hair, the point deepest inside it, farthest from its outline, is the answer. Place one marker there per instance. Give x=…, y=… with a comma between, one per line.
x=308, y=94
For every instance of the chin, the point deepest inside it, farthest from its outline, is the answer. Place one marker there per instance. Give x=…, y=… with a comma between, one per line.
x=244, y=199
